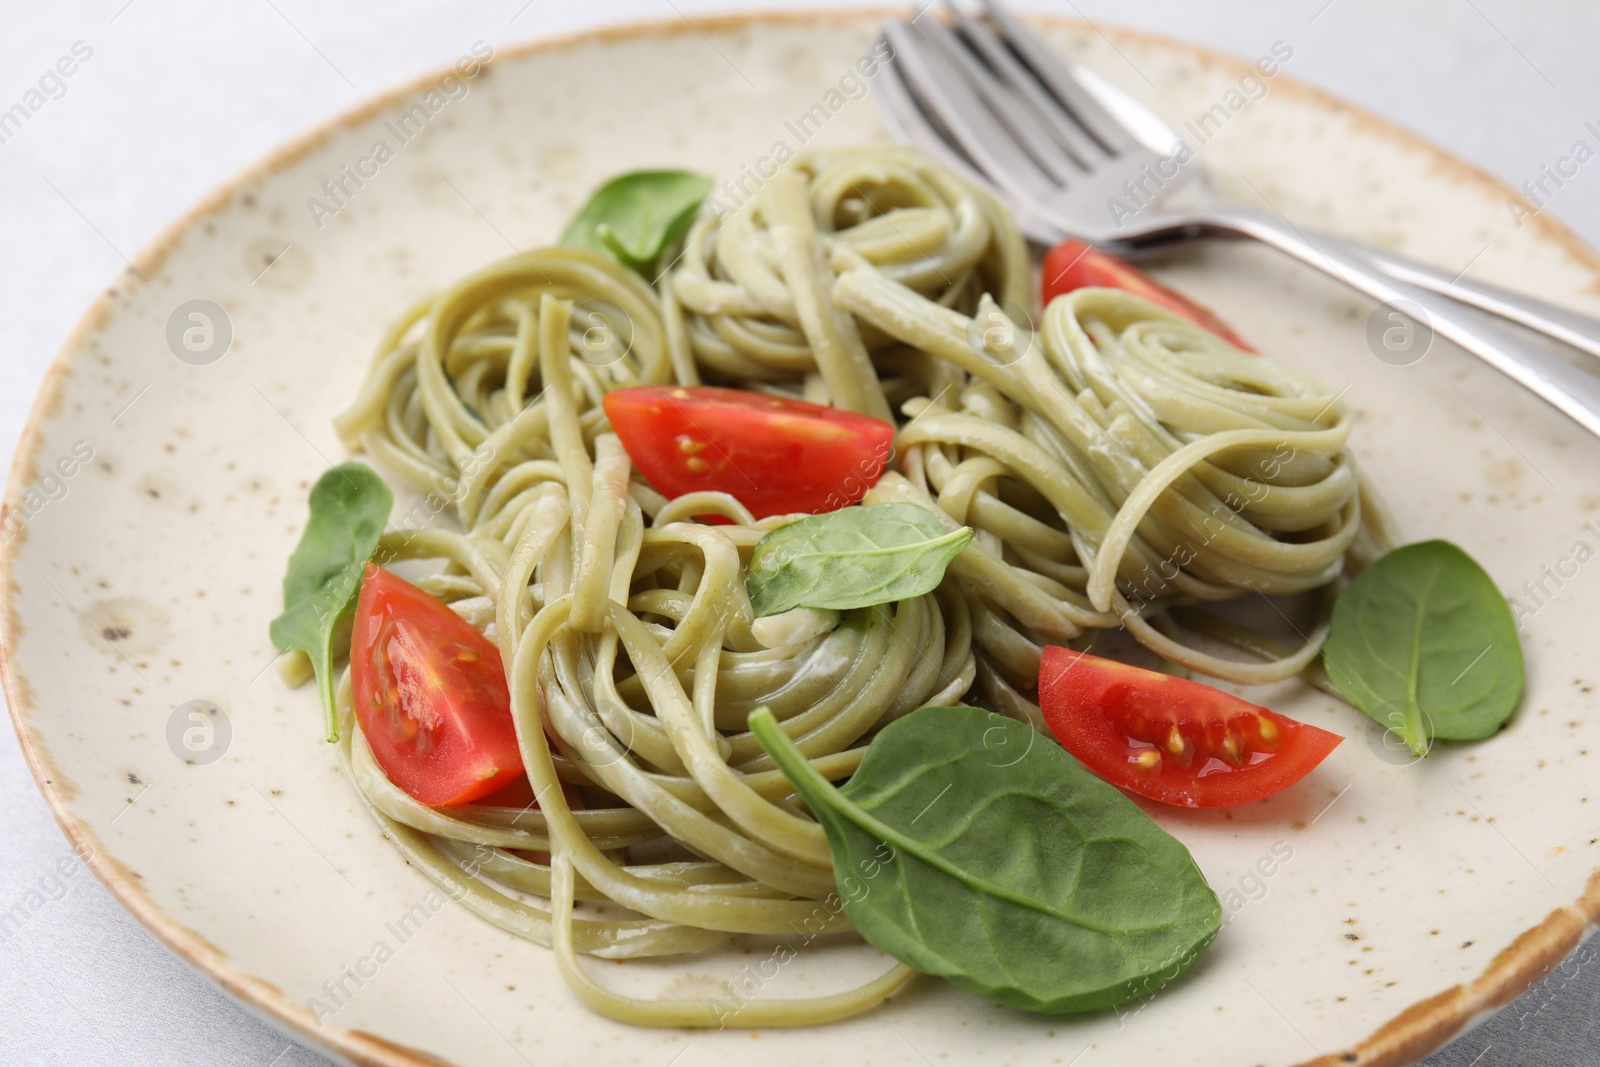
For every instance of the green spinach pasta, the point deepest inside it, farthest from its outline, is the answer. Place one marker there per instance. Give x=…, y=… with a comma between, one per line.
x=1118, y=467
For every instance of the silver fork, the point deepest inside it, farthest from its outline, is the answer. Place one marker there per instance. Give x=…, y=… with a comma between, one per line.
x=1112, y=108
x=999, y=106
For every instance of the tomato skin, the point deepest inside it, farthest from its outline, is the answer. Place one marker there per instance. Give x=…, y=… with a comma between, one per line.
x=1119, y=721
x=775, y=456
x=1074, y=265
x=430, y=694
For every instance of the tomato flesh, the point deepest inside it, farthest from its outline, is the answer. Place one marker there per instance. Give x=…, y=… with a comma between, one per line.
x=1074, y=265
x=1171, y=739
x=430, y=694
x=774, y=455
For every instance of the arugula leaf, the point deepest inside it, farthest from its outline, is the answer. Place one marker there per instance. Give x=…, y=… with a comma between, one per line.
x=852, y=558
x=1021, y=878
x=1423, y=642
x=349, y=507
x=635, y=217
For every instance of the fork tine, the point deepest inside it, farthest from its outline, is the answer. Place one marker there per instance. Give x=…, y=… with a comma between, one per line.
x=1083, y=149
x=926, y=73
x=1056, y=75
x=1012, y=113
x=908, y=122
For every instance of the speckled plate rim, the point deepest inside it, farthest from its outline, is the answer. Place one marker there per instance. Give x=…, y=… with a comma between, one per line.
x=1407, y=1037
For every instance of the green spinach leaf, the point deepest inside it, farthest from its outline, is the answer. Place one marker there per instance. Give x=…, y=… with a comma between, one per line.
x=967, y=845
x=636, y=216
x=1423, y=642
x=349, y=507
x=852, y=558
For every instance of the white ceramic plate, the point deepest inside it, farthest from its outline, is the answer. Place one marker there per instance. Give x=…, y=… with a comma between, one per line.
x=1402, y=900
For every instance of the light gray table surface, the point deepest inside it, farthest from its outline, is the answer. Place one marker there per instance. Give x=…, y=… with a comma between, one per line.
x=180, y=95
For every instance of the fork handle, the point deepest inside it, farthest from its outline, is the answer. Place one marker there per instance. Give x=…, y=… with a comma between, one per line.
x=1572, y=328
x=1571, y=389
x=1569, y=327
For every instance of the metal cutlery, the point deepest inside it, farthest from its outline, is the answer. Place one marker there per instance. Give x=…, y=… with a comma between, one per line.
x=1059, y=145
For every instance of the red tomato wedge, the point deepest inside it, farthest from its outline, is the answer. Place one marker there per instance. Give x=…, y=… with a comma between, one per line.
x=775, y=456
x=430, y=694
x=1170, y=739
x=1074, y=265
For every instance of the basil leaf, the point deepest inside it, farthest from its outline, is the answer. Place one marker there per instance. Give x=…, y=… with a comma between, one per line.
x=852, y=558
x=349, y=507
x=1022, y=878
x=636, y=216
x=1423, y=642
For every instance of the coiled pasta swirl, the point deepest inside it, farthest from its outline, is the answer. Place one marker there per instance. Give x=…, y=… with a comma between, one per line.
x=626, y=632
x=753, y=288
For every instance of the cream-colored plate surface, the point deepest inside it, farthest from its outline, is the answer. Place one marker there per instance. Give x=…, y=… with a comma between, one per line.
x=145, y=578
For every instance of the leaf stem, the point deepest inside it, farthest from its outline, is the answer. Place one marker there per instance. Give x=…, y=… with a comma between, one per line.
x=786, y=755
x=323, y=664
x=1416, y=730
